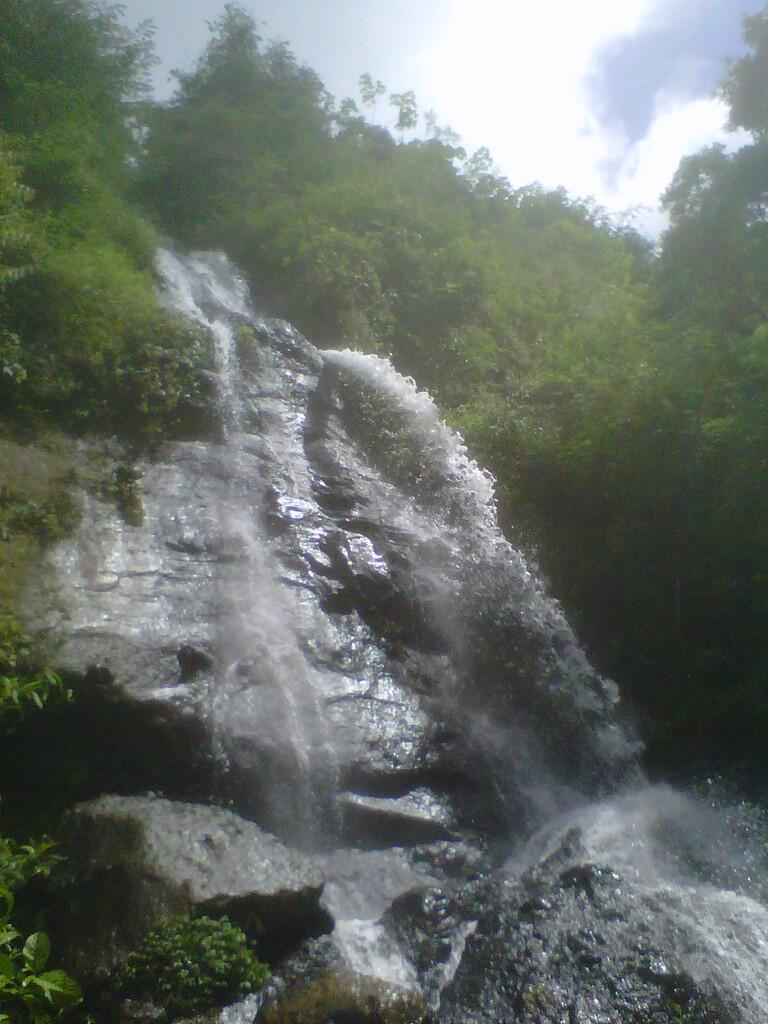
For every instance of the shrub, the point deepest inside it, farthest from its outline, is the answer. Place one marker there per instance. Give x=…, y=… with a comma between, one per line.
x=124, y=490
x=28, y=992
x=100, y=353
x=191, y=965
x=47, y=520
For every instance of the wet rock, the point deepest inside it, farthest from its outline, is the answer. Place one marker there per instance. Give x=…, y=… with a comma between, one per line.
x=418, y=817
x=133, y=1011
x=98, y=675
x=344, y=998
x=314, y=959
x=365, y=661
x=425, y=923
x=452, y=861
x=192, y=661
x=131, y=861
x=320, y=599
x=576, y=945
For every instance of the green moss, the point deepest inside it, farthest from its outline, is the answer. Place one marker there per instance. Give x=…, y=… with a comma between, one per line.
x=36, y=506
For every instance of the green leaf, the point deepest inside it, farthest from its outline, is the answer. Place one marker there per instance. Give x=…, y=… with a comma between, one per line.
x=7, y=934
x=7, y=966
x=6, y=897
x=37, y=949
x=58, y=987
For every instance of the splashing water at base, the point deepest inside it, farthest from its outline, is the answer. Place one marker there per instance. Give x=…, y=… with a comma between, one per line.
x=702, y=868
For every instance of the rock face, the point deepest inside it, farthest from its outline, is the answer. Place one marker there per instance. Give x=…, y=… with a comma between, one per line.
x=322, y=607
x=130, y=861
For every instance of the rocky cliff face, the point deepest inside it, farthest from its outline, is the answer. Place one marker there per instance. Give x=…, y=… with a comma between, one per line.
x=315, y=621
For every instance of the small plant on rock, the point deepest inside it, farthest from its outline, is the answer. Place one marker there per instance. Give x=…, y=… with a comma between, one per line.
x=22, y=682
x=188, y=966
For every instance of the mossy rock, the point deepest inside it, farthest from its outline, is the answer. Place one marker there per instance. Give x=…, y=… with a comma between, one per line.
x=36, y=506
x=345, y=999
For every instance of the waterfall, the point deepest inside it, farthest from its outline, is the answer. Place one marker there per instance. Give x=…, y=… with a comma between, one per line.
x=475, y=610
x=393, y=691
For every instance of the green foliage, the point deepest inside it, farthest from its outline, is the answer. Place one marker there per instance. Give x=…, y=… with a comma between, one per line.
x=335, y=997
x=82, y=337
x=123, y=488
x=29, y=992
x=47, y=519
x=15, y=238
x=16, y=255
x=102, y=353
x=370, y=90
x=745, y=88
x=192, y=965
x=66, y=64
x=23, y=682
x=20, y=863
x=407, y=111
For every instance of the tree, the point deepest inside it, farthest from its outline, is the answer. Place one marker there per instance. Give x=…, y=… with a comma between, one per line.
x=231, y=62
x=370, y=91
x=407, y=111
x=745, y=88
x=73, y=61
x=442, y=133
x=246, y=116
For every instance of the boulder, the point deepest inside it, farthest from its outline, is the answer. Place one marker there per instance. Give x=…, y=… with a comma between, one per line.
x=131, y=861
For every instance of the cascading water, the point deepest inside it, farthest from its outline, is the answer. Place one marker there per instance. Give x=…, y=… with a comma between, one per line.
x=261, y=672
x=393, y=691
x=429, y=570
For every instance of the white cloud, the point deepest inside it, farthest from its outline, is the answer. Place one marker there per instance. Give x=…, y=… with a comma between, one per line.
x=514, y=75
x=678, y=128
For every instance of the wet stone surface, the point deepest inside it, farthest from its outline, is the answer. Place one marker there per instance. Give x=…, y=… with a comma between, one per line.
x=131, y=861
x=576, y=944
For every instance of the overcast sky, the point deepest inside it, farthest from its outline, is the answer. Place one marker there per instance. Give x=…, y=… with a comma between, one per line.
x=602, y=97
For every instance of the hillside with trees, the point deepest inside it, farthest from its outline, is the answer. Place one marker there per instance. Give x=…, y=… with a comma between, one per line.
x=619, y=394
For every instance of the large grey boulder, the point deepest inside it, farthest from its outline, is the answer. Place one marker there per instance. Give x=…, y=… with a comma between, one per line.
x=131, y=861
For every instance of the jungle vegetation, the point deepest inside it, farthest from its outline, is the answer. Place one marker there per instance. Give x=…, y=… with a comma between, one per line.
x=618, y=390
